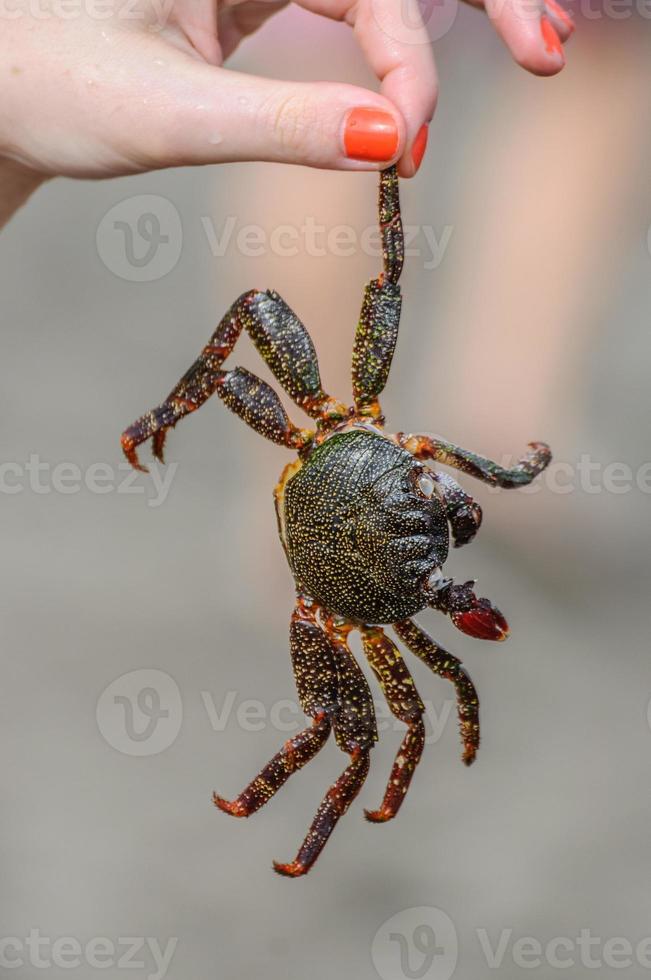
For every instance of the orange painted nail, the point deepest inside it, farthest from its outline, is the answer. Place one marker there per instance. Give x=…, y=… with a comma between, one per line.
x=561, y=14
x=371, y=135
x=420, y=145
x=552, y=40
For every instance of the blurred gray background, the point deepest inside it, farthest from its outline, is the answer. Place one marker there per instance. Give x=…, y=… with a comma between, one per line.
x=533, y=323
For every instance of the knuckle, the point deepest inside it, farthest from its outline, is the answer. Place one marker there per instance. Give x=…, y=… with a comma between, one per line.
x=292, y=121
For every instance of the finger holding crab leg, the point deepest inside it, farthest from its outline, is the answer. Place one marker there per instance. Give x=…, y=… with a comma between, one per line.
x=379, y=321
x=527, y=469
x=449, y=667
x=405, y=704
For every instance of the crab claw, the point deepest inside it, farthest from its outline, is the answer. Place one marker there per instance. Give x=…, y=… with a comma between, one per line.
x=483, y=621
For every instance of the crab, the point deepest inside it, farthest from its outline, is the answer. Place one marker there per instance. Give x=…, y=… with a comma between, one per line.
x=365, y=521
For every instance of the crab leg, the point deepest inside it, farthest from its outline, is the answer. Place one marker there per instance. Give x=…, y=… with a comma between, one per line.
x=313, y=663
x=295, y=753
x=428, y=447
x=377, y=330
x=447, y=666
x=244, y=393
x=285, y=345
x=405, y=704
x=355, y=732
x=335, y=803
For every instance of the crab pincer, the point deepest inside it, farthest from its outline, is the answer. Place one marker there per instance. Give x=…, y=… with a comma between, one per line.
x=477, y=617
x=483, y=620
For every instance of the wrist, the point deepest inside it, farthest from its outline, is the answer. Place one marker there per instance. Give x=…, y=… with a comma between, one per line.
x=17, y=184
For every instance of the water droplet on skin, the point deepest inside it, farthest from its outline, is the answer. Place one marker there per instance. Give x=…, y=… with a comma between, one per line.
x=215, y=139
x=159, y=62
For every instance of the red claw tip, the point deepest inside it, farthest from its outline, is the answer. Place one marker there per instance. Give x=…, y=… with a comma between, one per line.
x=131, y=453
x=483, y=621
x=227, y=806
x=293, y=870
x=377, y=816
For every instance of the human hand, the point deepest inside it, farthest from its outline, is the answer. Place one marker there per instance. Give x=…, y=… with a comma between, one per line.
x=100, y=95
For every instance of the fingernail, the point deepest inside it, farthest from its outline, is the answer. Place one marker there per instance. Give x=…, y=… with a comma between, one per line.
x=370, y=134
x=561, y=14
x=420, y=145
x=552, y=40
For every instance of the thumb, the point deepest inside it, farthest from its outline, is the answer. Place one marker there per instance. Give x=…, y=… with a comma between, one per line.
x=213, y=115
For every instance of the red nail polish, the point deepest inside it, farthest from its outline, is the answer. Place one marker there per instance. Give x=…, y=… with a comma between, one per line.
x=420, y=145
x=561, y=14
x=552, y=40
x=371, y=135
